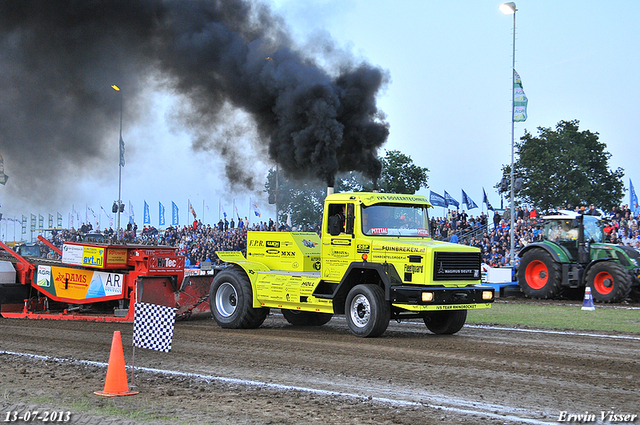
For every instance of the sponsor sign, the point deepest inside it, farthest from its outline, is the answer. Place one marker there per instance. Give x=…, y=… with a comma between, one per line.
x=77, y=284
x=94, y=256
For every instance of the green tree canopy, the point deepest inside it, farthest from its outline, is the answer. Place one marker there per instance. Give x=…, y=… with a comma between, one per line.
x=566, y=166
x=401, y=175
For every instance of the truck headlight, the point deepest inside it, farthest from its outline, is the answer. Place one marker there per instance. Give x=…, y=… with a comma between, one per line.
x=487, y=295
x=427, y=296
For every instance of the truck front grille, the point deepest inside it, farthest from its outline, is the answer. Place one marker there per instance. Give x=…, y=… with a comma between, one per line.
x=456, y=266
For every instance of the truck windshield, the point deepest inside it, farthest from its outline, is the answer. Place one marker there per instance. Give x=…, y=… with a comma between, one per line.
x=395, y=220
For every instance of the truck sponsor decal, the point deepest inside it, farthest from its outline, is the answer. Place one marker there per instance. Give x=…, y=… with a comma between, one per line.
x=402, y=248
x=341, y=242
x=308, y=243
x=379, y=231
x=410, y=268
x=460, y=306
x=340, y=254
x=363, y=248
x=408, y=198
x=422, y=307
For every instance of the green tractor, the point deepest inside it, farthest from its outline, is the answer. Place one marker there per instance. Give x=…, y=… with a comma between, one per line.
x=572, y=255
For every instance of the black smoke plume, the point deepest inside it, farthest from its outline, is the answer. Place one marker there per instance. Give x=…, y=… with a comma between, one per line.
x=58, y=58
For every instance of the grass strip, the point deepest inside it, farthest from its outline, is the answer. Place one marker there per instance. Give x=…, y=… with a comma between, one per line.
x=609, y=319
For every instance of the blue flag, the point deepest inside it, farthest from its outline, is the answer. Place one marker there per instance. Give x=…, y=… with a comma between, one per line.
x=174, y=214
x=161, y=220
x=634, y=199
x=147, y=216
x=437, y=200
x=486, y=200
x=449, y=200
x=467, y=201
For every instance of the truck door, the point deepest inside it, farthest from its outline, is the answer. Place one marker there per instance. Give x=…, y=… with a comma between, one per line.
x=338, y=243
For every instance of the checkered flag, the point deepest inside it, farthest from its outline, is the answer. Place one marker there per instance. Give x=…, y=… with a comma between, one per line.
x=153, y=326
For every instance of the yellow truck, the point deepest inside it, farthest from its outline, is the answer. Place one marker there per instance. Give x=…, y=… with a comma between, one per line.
x=373, y=261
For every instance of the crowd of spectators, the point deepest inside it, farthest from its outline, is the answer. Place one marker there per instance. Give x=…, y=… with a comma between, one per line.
x=489, y=232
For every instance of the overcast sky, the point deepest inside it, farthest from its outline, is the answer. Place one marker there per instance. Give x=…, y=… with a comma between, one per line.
x=448, y=101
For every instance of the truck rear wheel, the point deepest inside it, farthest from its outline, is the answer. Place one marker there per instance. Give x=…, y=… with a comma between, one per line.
x=231, y=301
x=306, y=318
x=609, y=282
x=539, y=276
x=445, y=322
x=367, y=312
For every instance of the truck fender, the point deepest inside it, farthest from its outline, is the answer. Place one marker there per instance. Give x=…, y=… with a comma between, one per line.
x=363, y=273
x=250, y=268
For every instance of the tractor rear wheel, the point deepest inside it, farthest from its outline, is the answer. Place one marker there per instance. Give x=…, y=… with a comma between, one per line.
x=306, y=318
x=231, y=301
x=445, y=322
x=609, y=282
x=539, y=276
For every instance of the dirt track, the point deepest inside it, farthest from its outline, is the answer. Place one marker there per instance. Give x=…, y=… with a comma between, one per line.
x=320, y=375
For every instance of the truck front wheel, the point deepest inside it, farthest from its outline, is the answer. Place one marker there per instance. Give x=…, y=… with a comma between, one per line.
x=367, y=312
x=306, y=318
x=609, y=282
x=231, y=301
x=445, y=322
x=539, y=276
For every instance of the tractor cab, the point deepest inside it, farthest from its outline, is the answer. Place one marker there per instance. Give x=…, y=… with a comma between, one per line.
x=564, y=227
x=28, y=249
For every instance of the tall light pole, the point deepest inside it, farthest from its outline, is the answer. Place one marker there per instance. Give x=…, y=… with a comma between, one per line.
x=120, y=161
x=510, y=9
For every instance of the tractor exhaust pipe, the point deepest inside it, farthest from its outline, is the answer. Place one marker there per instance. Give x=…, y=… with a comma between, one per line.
x=583, y=252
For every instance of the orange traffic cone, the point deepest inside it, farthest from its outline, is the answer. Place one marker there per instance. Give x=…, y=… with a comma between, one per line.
x=116, y=383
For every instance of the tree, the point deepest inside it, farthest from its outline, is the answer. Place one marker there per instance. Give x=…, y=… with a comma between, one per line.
x=401, y=175
x=564, y=167
x=303, y=201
